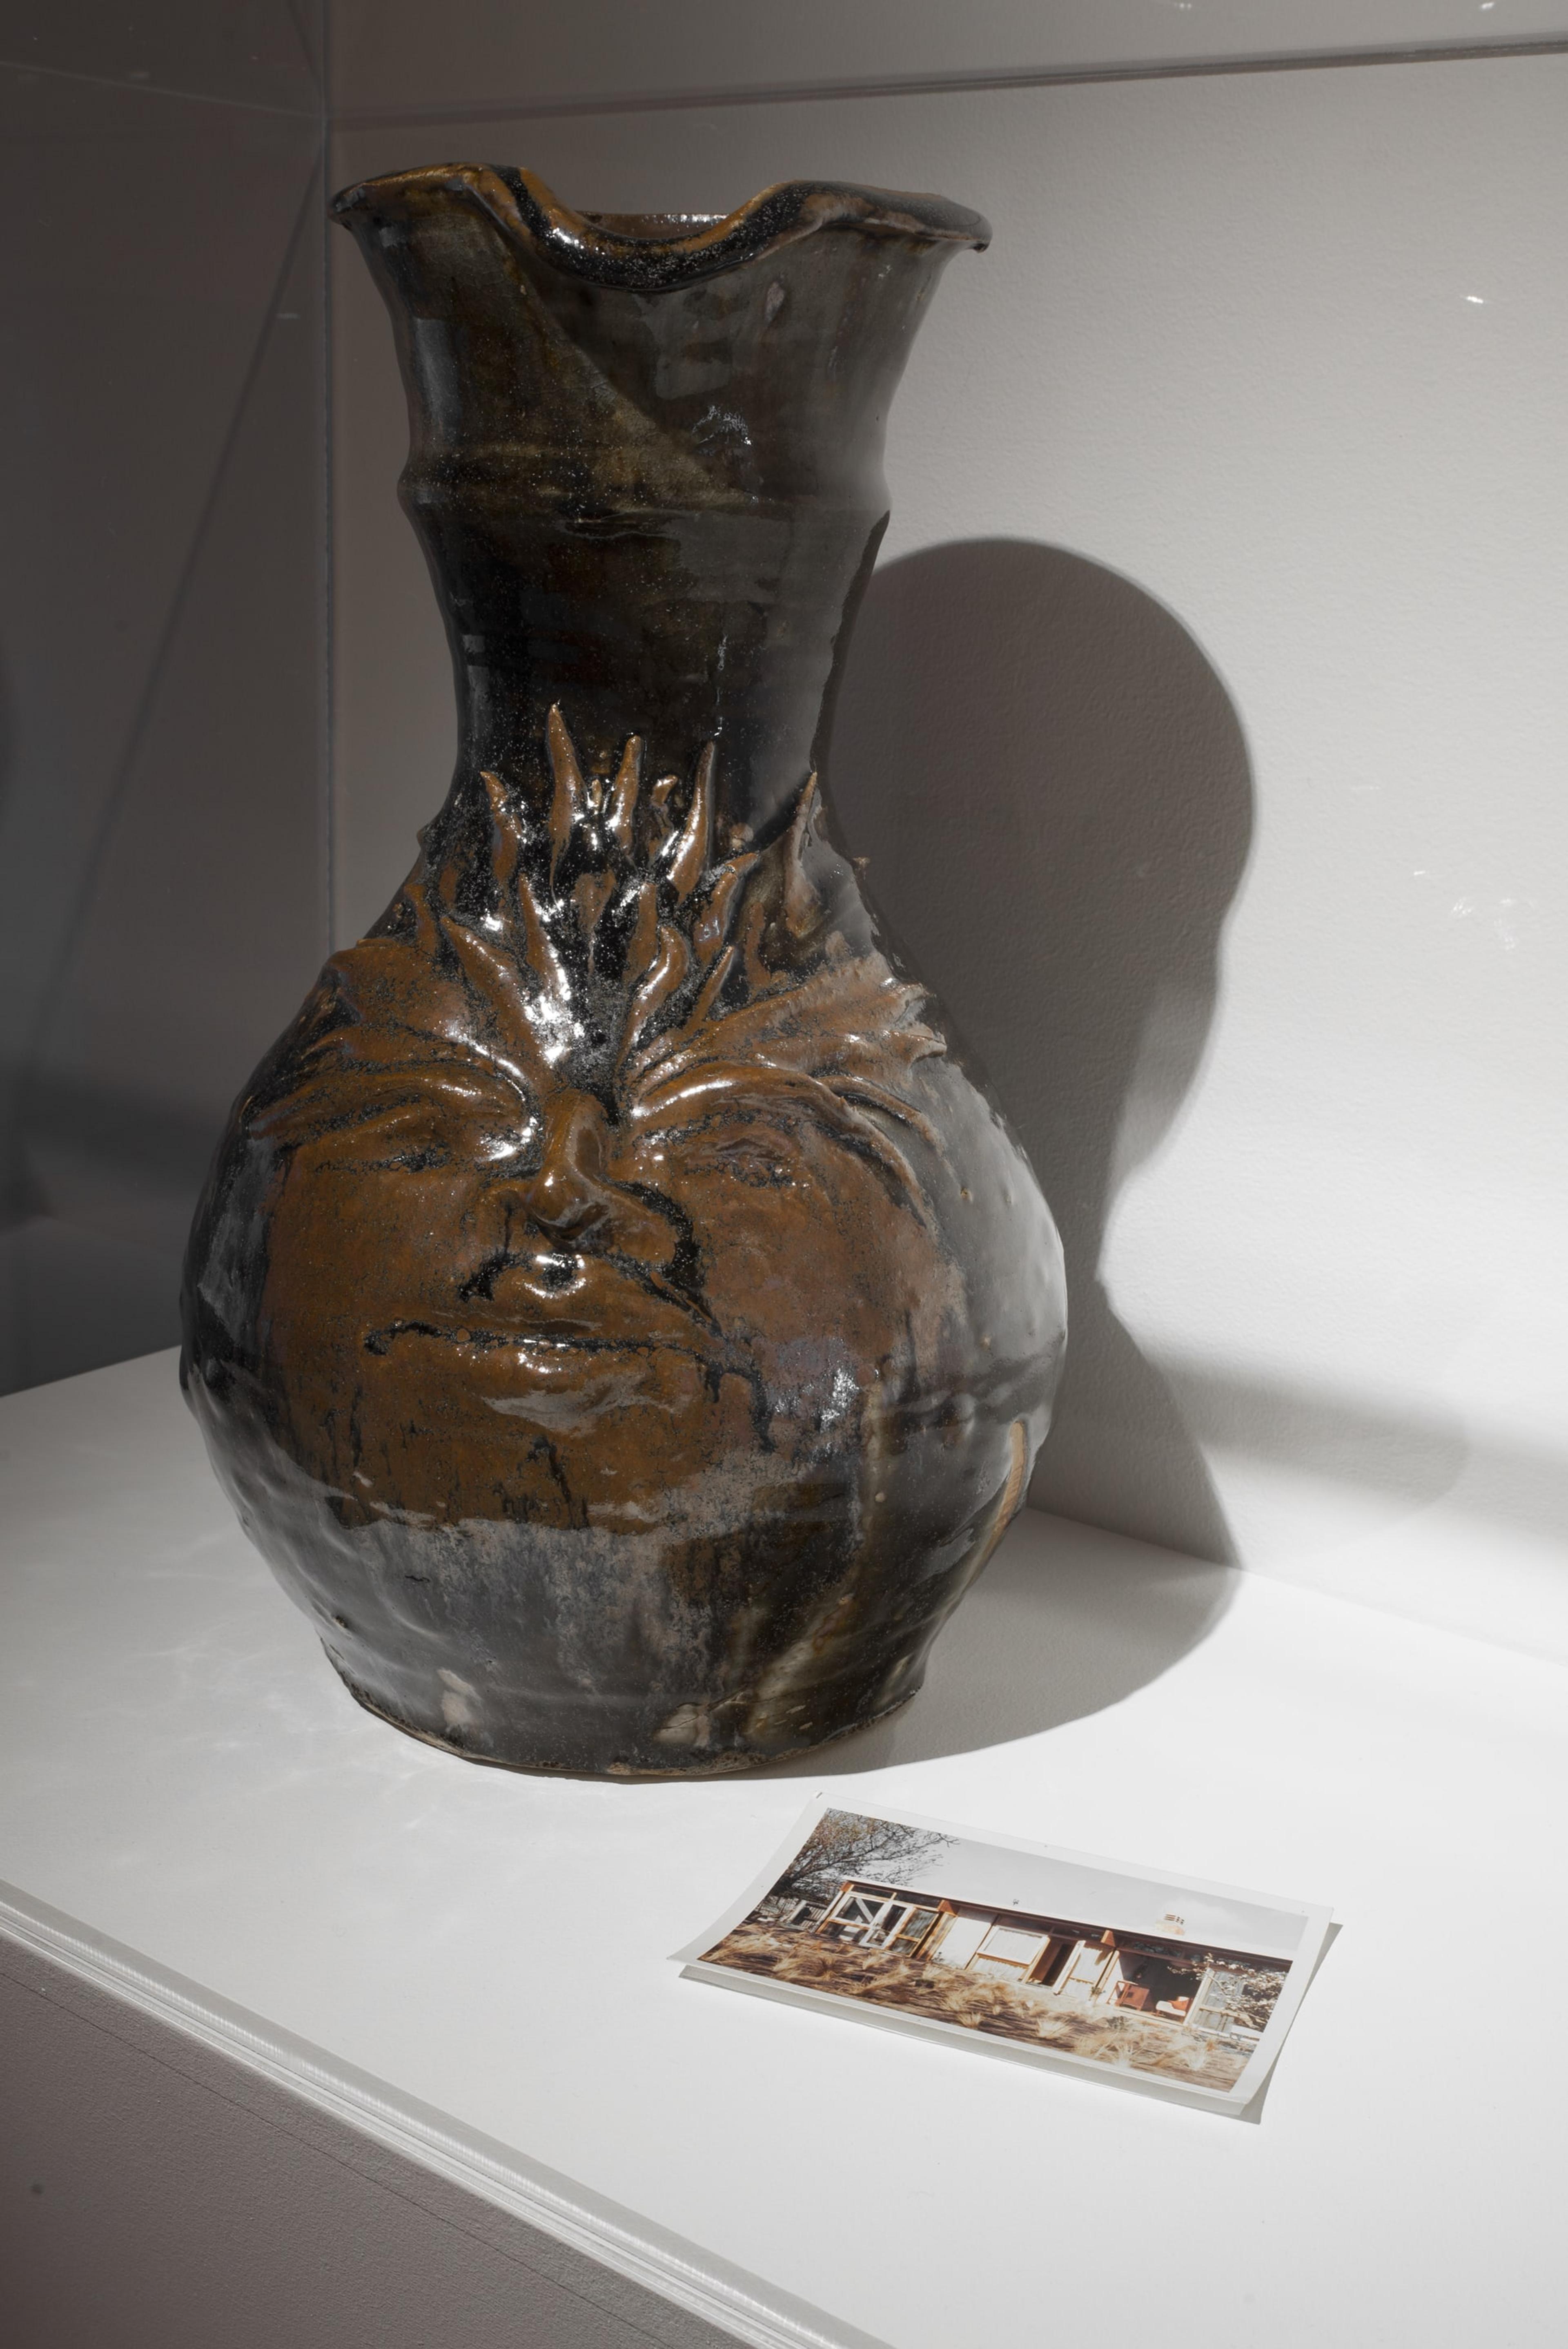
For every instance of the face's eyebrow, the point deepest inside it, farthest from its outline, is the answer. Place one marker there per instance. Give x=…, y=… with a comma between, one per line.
x=352, y=1094
x=758, y=1089
x=712, y=1092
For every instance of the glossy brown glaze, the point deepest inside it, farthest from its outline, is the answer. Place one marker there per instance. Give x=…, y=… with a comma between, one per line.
x=616, y=1316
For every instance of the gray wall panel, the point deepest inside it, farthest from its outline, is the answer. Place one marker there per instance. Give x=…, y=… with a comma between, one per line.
x=250, y=52
x=155, y=2196
x=162, y=646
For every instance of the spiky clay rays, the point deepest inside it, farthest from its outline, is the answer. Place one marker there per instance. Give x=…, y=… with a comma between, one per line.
x=616, y=912
x=604, y=947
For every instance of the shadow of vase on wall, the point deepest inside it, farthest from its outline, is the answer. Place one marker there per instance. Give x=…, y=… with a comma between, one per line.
x=1053, y=794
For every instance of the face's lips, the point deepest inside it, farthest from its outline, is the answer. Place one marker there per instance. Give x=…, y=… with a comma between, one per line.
x=612, y=1308
x=563, y=1380
x=564, y=1383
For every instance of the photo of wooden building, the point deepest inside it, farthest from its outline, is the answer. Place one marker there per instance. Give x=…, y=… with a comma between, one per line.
x=1062, y=1956
x=1066, y=1962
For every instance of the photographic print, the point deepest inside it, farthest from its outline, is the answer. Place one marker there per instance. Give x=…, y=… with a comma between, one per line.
x=1184, y=1987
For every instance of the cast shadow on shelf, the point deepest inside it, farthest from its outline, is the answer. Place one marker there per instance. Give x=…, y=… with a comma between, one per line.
x=1052, y=790
x=1062, y=1623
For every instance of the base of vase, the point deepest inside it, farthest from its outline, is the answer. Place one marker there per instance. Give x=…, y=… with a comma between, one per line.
x=725, y=1765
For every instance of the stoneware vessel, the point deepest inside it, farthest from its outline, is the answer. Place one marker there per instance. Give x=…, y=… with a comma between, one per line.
x=617, y=1318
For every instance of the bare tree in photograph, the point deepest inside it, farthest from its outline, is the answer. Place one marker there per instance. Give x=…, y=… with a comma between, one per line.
x=846, y=1843
x=1248, y=1994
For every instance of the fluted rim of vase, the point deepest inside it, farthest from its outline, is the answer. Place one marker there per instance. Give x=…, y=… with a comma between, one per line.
x=657, y=252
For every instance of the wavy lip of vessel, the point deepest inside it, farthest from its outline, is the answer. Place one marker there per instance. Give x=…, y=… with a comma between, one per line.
x=660, y=251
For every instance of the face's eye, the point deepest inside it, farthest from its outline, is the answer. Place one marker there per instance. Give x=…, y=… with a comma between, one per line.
x=402, y=1142
x=760, y=1163
x=764, y=1154
x=418, y=1137
x=503, y=1150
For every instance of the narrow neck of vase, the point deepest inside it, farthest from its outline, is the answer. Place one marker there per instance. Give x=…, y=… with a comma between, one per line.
x=645, y=458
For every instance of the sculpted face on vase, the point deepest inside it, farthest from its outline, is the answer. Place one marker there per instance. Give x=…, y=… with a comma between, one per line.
x=616, y=1315
x=611, y=1216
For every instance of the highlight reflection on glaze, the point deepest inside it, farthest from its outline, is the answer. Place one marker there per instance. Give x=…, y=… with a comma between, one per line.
x=614, y=1313
x=603, y=1124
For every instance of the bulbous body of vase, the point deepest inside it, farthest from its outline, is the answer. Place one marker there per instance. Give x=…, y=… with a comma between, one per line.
x=616, y=1315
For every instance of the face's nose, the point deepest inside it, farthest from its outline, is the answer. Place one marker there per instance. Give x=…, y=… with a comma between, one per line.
x=567, y=1198
x=571, y=1203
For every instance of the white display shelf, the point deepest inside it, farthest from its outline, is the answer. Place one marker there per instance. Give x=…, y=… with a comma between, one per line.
x=472, y=1968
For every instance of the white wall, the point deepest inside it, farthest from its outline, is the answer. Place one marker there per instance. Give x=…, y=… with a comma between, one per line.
x=961, y=1941
x=1205, y=733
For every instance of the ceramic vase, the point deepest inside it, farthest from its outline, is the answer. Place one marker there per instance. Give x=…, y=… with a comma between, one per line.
x=615, y=1314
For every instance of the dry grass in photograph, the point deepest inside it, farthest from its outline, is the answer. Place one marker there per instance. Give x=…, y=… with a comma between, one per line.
x=1000, y=2009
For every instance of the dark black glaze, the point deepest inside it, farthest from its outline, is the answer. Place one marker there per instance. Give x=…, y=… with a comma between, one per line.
x=616, y=1315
